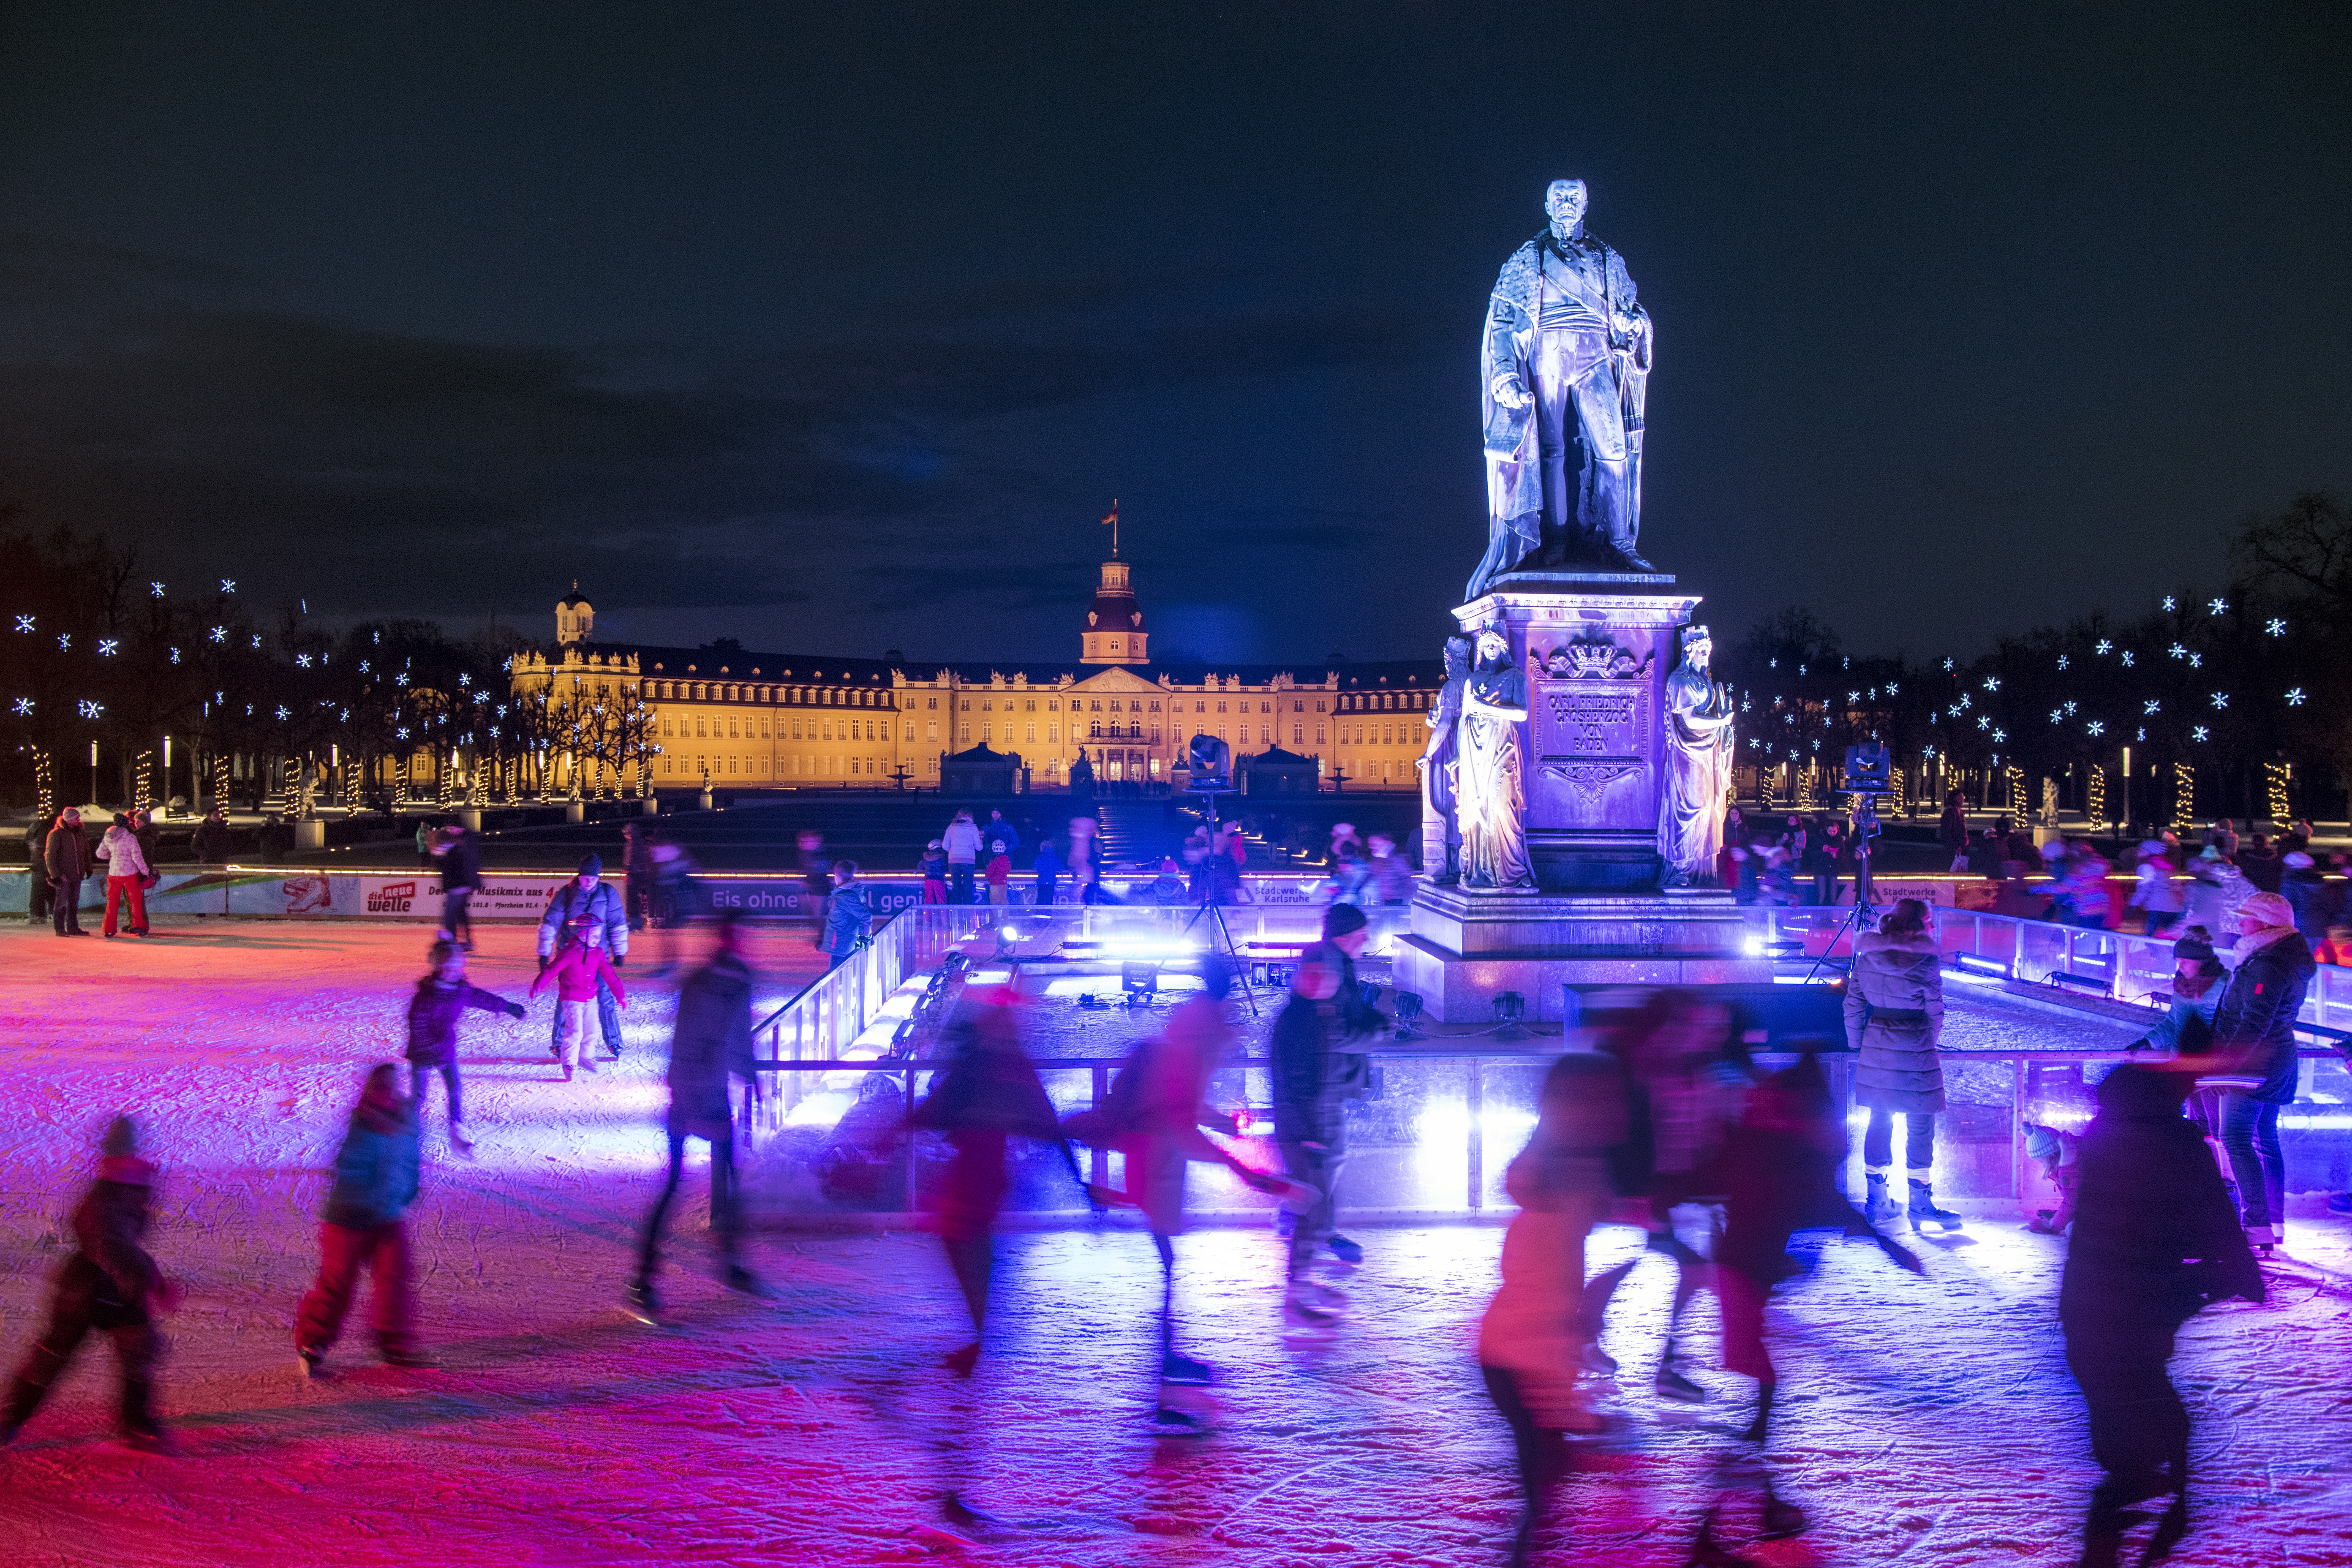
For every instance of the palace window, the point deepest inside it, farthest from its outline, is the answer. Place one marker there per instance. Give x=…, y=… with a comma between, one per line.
x=966, y=735
x=931, y=729
x=1155, y=705
x=1221, y=707
x=1054, y=733
x=1318, y=705
x=699, y=729
x=1033, y=733
x=930, y=702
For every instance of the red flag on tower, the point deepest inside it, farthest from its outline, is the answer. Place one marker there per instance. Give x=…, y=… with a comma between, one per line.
x=1111, y=523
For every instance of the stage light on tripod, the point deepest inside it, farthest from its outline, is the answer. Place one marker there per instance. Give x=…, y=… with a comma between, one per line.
x=1509, y=1008
x=1408, y=1016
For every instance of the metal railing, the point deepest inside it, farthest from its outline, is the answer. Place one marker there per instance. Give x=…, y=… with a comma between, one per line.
x=2118, y=966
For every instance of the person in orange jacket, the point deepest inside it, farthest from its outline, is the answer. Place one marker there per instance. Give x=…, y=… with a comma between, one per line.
x=574, y=971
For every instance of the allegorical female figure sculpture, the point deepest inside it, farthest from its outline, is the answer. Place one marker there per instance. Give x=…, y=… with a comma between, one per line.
x=1489, y=792
x=1441, y=832
x=1698, y=765
x=1563, y=372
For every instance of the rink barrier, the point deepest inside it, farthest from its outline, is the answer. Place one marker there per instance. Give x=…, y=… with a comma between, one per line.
x=838, y=1069
x=299, y=892
x=1431, y=1143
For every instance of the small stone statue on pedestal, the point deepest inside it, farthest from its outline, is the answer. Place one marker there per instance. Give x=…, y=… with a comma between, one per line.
x=1490, y=792
x=1697, y=781
x=1441, y=831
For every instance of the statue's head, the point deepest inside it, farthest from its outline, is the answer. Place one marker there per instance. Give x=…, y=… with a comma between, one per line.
x=1457, y=655
x=1565, y=202
x=1494, y=646
x=1698, y=646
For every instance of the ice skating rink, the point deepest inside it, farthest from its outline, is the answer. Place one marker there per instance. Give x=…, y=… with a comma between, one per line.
x=1925, y=1421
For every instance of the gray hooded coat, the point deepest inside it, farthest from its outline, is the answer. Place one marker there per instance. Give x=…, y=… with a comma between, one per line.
x=1893, y=1015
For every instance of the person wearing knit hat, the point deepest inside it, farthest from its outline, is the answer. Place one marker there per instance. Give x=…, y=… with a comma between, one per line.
x=2187, y=1028
x=109, y=1284
x=1317, y=1065
x=2254, y=1034
x=588, y=898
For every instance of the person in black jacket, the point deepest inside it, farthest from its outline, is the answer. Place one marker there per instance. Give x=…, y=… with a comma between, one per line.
x=1314, y=1072
x=2254, y=1034
x=213, y=843
x=461, y=875
x=441, y=999
x=37, y=839
x=2154, y=1241
x=67, y=856
x=710, y=1042
x=108, y=1285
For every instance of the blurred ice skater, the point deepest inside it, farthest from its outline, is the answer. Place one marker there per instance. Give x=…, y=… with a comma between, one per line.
x=108, y=1285
x=366, y=1228
x=1314, y=1073
x=1529, y=1341
x=582, y=975
x=710, y=1044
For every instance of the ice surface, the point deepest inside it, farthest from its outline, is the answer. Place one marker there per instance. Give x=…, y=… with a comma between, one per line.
x=1926, y=1421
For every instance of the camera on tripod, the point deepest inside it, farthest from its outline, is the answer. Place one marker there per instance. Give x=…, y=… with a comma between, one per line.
x=1869, y=769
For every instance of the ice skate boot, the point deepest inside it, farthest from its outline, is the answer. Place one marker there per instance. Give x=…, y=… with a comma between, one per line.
x=1593, y=1359
x=2262, y=1238
x=460, y=1142
x=1343, y=1250
x=642, y=1304
x=1671, y=1385
x=1923, y=1212
x=1878, y=1206
x=307, y=1363
x=1177, y=1368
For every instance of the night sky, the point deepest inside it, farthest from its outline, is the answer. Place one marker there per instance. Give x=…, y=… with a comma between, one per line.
x=837, y=328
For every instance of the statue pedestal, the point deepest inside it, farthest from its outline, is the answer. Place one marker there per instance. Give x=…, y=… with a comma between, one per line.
x=310, y=833
x=575, y=811
x=1596, y=648
x=1466, y=948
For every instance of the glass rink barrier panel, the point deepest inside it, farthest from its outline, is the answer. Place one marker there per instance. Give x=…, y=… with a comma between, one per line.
x=1432, y=1138
x=826, y=1129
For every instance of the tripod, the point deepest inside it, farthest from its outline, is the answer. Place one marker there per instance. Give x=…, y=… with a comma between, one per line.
x=1215, y=908
x=1865, y=813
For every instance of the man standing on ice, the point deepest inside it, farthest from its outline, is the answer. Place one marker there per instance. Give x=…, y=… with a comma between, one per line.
x=607, y=928
x=711, y=1042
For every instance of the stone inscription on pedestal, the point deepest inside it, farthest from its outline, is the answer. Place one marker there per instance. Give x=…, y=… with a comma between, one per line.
x=1594, y=729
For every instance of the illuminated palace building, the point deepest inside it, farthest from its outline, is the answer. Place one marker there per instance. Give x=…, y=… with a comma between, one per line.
x=781, y=720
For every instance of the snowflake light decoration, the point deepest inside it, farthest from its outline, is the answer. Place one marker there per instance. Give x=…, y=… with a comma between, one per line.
x=2106, y=646
x=2094, y=729
x=2000, y=735
x=106, y=646
x=2152, y=706
x=2128, y=661
x=24, y=706
x=90, y=710
x=2294, y=696
x=2168, y=603
x=1993, y=683
x=2196, y=661
x=2069, y=710
x=1947, y=662
x=2220, y=699
x=2176, y=651
x=403, y=731
x=175, y=655
x=228, y=585
x=220, y=634
x=1853, y=696
x=282, y=715
x=2062, y=661
x=465, y=680
x=2218, y=606
x=302, y=661
x=2056, y=714
x=24, y=623
x=65, y=642
x=155, y=590
x=1983, y=722
x=1892, y=689
x=257, y=639
x=2198, y=733
x=2275, y=627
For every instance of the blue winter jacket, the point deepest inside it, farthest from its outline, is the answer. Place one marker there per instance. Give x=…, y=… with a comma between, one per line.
x=605, y=905
x=375, y=1169
x=849, y=919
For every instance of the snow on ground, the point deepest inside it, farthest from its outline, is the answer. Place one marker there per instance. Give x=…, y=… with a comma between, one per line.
x=1929, y=1422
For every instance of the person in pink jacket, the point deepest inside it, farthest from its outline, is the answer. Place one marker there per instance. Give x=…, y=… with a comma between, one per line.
x=574, y=971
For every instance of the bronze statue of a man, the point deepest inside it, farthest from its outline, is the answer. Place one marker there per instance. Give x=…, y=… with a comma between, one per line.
x=1563, y=372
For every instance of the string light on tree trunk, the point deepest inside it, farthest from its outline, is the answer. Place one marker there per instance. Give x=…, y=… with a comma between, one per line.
x=2184, y=797
x=2275, y=774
